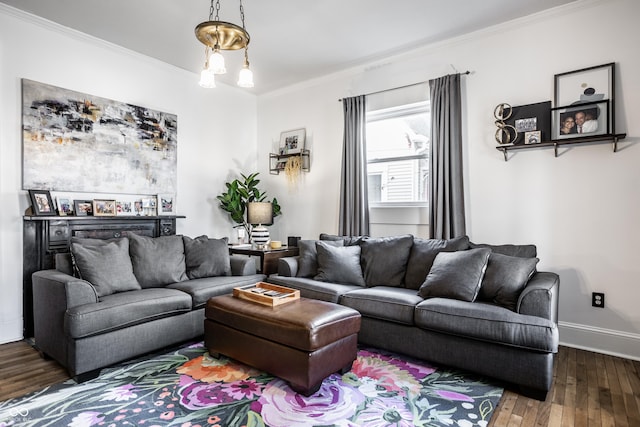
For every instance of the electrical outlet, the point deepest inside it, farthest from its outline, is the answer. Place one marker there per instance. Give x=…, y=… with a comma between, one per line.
x=597, y=299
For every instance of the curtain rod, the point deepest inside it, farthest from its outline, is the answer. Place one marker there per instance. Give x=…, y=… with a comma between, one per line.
x=402, y=87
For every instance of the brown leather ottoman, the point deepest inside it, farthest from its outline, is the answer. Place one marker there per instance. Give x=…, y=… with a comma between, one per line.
x=302, y=342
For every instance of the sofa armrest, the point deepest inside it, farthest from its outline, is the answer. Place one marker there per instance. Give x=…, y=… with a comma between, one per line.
x=288, y=266
x=242, y=266
x=64, y=287
x=540, y=296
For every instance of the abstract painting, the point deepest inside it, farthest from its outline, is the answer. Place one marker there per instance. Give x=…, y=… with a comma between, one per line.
x=78, y=142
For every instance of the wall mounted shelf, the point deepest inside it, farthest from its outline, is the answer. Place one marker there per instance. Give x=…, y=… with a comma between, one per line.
x=277, y=161
x=613, y=138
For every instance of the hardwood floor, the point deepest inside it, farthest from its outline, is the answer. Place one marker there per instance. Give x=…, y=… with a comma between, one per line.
x=589, y=389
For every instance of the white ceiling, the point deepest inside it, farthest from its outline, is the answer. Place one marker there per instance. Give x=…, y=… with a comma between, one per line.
x=291, y=40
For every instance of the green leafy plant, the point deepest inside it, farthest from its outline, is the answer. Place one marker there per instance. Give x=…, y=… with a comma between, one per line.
x=239, y=193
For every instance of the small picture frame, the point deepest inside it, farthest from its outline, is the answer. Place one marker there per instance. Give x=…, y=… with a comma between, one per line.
x=124, y=207
x=581, y=121
x=292, y=141
x=149, y=205
x=585, y=86
x=83, y=207
x=41, y=203
x=103, y=207
x=166, y=204
x=533, y=137
x=65, y=206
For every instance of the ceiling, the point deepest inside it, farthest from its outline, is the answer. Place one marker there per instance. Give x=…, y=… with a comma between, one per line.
x=291, y=40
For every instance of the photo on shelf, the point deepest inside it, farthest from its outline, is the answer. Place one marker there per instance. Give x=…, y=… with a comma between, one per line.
x=581, y=121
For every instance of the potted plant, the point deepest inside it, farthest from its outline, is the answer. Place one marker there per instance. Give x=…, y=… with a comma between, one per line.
x=238, y=194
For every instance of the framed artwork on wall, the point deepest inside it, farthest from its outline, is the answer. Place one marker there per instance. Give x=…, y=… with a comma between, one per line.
x=585, y=86
x=583, y=120
x=292, y=141
x=41, y=203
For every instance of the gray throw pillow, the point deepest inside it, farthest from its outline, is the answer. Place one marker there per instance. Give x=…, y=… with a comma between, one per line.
x=308, y=256
x=105, y=264
x=339, y=264
x=205, y=257
x=505, y=278
x=522, y=251
x=423, y=252
x=348, y=240
x=384, y=260
x=456, y=275
x=157, y=261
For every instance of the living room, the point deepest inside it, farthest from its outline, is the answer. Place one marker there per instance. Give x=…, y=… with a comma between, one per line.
x=579, y=209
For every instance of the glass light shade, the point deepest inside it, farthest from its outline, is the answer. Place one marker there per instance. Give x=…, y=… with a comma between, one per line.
x=207, y=79
x=216, y=63
x=245, y=79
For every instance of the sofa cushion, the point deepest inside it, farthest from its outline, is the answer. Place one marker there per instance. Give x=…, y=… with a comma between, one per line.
x=456, y=275
x=384, y=260
x=308, y=258
x=124, y=309
x=314, y=289
x=505, y=278
x=487, y=322
x=105, y=264
x=339, y=264
x=423, y=252
x=204, y=288
x=522, y=251
x=205, y=257
x=383, y=302
x=157, y=261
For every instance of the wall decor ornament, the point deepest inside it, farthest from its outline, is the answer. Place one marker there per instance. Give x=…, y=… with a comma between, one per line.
x=42, y=203
x=115, y=147
x=505, y=134
x=292, y=141
x=529, y=118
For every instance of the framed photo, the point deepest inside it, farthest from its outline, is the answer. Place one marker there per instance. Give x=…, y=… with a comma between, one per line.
x=529, y=118
x=64, y=206
x=166, y=204
x=83, y=207
x=124, y=207
x=103, y=207
x=532, y=137
x=582, y=120
x=292, y=141
x=149, y=205
x=585, y=86
x=41, y=203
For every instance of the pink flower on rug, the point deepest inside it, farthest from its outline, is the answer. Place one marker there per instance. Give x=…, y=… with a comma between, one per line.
x=386, y=412
x=119, y=394
x=389, y=377
x=243, y=389
x=208, y=369
x=201, y=395
x=452, y=395
x=86, y=419
x=332, y=404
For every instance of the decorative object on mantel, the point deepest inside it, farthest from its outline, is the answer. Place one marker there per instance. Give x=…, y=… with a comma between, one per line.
x=583, y=113
x=218, y=35
x=505, y=134
x=259, y=214
x=41, y=203
x=238, y=194
x=116, y=147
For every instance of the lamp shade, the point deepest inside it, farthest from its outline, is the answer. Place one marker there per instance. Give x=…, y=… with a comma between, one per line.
x=260, y=213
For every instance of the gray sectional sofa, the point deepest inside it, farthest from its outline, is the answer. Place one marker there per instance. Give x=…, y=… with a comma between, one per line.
x=482, y=308
x=125, y=297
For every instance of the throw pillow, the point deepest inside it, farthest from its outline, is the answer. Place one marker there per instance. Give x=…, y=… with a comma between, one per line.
x=339, y=264
x=505, y=278
x=157, y=261
x=423, y=252
x=522, y=251
x=456, y=275
x=308, y=256
x=348, y=240
x=384, y=260
x=105, y=264
x=205, y=257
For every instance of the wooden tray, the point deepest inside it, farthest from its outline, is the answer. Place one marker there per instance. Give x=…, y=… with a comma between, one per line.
x=264, y=293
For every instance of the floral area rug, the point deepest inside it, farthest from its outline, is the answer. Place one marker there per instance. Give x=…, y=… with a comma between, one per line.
x=188, y=388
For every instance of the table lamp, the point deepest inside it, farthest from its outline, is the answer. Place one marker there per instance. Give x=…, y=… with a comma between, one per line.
x=260, y=213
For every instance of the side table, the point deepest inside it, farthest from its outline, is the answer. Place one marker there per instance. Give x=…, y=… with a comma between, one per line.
x=268, y=257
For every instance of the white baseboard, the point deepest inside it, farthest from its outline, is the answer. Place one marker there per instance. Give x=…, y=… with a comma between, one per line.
x=600, y=340
x=11, y=331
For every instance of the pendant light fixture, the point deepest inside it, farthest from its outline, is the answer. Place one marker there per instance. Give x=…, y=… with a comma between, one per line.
x=218, y=35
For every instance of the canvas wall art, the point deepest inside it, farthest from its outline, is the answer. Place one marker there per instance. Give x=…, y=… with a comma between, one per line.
x=78, y=142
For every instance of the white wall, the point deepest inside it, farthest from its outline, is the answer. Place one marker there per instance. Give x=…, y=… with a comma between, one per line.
x=216, y=129
x=580, y=209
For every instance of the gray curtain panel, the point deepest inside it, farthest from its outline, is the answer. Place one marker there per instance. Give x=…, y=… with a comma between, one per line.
x=354, y=203
x=446, y=191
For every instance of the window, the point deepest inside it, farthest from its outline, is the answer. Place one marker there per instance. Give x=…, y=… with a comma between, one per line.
x=398, y=155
